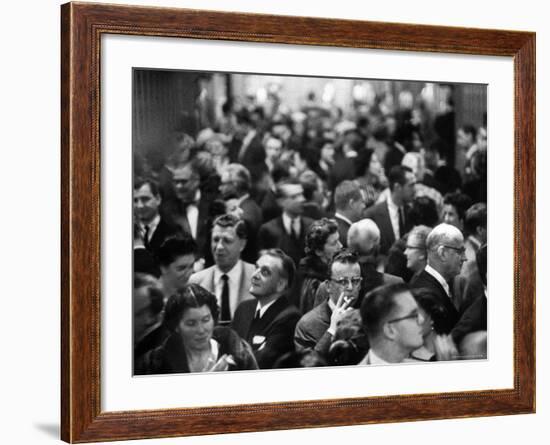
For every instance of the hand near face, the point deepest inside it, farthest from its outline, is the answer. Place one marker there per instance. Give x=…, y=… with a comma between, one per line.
x=341, y=310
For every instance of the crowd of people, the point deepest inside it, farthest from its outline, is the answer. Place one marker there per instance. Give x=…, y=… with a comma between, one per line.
x=311, y=238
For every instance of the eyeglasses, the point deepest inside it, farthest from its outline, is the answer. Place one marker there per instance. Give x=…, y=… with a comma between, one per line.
x=460, y=250
x=345, y=281
x=413, y=316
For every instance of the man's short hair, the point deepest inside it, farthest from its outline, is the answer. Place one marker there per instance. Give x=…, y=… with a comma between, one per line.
x=476, y=216
x=230, y=220
x=459, y=201
x=189, y=296
x=153, y=185
x=288, y=268
x=153, y=291
x=345, y=192
x=174, y=248
x=440, y=235
x=398, y=175
x=318, y=233
x=239, y=175
x=279, y=190
x=378, y=304
x=345, y=256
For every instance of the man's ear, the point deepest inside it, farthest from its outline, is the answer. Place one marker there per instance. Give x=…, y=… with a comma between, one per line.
x=281, y=285
x=389, y=331
x=243, y=241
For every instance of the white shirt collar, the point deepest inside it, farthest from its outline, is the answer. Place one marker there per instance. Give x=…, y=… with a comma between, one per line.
x=434, y=273
x=343, y=218
x=263, y=309
x=372, y=359
x=233, y=274
x=288, y=221
x=152, y=226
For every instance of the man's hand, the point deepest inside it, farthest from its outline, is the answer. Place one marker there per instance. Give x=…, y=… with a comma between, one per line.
x=340, y=311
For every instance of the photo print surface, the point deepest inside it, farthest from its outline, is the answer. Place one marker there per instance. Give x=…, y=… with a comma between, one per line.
x=291, y=222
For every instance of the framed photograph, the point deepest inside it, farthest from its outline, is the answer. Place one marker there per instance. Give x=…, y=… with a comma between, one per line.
x=172, y=118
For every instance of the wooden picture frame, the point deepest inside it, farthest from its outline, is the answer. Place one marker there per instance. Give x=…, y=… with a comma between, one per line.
x=82, y=27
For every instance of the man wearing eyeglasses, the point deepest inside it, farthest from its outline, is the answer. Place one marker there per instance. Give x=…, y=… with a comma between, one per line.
x=446, y=254
x=316, y=328
x=393, y=324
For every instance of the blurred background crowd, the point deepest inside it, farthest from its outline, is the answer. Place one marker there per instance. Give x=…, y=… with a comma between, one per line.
x=285, y=222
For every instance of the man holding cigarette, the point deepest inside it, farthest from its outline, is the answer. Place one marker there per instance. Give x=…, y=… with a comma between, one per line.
x=316, y=328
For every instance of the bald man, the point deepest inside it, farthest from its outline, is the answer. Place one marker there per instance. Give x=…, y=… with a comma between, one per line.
x=446, y=254
x=364, y=240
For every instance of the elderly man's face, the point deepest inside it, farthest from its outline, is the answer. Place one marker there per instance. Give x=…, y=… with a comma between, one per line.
x=455, y=255
x=449, y=215
x=266, y=279
x=273, y=148
x=345, y=278
x=186, y=183
x=415, y=251
x=228, y=187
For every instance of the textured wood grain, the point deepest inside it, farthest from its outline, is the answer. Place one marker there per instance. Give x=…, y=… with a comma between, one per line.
x=82, y=26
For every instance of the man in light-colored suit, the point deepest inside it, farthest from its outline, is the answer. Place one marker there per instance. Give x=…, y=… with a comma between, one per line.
x=229, y=278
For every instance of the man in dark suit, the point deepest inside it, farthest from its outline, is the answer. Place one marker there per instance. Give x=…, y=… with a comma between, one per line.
x=316, y=329
x=246, y=148
x=153, y=230
x=287, y=232
x=350, y=206
x=235, y=190
x=268, y=321
x=446, y=254
x=190, y=210
x=391, y=215
x=364, y=240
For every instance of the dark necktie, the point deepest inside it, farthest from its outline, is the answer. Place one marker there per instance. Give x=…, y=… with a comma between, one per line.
x=293, y=229
x=401, y=212
x=226, y=312
x=146, y=237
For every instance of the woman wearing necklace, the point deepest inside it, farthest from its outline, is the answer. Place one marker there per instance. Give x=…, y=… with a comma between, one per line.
x=196, y=344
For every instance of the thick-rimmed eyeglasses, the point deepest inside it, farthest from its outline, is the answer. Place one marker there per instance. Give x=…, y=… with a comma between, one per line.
x=345, y=281
x=413, y=316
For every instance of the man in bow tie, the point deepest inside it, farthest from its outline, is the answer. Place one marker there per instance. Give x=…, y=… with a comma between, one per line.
x=189, y=210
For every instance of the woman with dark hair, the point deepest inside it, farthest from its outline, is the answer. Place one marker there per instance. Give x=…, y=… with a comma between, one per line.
x=454, y=209
x=370, y=172
x=195, y=343
x=321, y=243
x=437, y=345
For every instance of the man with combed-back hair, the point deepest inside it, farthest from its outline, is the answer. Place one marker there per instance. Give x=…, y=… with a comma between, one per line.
x=350, y=206
x=364, y=240
x=445, y=249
